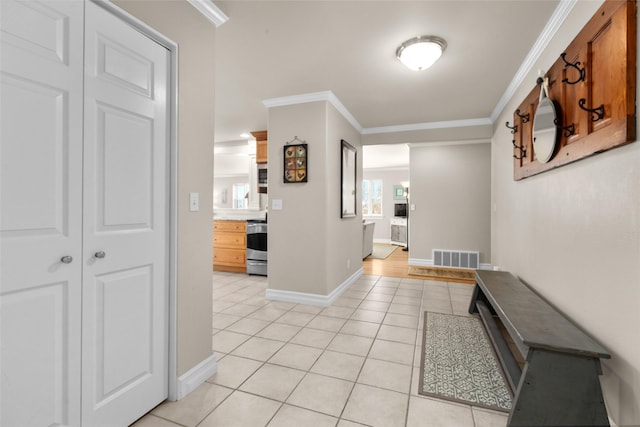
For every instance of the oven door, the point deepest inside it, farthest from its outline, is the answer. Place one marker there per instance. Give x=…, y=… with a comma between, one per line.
x=257, y=241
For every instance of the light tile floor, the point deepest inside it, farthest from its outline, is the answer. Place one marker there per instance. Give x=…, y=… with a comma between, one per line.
x=351, y=364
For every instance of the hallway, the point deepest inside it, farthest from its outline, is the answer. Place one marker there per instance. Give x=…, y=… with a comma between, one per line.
x=351, y=364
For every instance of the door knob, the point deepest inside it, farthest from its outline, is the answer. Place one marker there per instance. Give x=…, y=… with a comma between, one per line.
x=100, y=254
x=66, y=259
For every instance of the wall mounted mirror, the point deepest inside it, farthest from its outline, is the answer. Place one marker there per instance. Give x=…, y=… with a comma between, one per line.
x=545, y=128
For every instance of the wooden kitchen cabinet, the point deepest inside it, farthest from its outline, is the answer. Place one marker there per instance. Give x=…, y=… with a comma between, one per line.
x=229, y=246
x=262, y=146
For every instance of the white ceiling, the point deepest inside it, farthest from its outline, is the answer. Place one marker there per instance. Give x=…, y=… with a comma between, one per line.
x=272, y=49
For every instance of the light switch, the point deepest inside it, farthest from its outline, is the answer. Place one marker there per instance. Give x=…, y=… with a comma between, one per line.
x=413, y=206
x=194, y=202
x=276, y=204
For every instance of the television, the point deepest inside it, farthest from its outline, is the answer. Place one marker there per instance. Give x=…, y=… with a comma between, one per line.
x=400, y=210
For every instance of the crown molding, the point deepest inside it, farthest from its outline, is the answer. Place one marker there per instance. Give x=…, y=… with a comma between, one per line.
x=449, y=143
x=304, y=98
x=428, y=126
x=550, y=29
x=210, y=11
x=330, y=97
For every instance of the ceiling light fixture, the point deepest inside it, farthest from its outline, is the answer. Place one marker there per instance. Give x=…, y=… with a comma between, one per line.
x=420, y=53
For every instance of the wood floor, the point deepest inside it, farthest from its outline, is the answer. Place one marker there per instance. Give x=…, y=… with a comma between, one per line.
x=395, y=265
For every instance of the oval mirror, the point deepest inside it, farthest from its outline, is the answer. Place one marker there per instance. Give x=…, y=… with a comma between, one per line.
x=545, y=130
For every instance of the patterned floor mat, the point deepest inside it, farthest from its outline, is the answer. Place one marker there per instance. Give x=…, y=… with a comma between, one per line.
x=458, y=363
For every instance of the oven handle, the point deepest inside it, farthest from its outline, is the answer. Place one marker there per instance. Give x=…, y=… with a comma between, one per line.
x=256, y=228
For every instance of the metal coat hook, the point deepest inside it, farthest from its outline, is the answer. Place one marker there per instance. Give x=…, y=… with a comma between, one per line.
x=567, y=131
x=575, y=66
x=513, y=128
x=525, y=117
x=523, y=150
x=596, y=113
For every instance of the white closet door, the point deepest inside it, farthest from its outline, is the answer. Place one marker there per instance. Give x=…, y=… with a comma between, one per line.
x=40, y=222
x=126, y=176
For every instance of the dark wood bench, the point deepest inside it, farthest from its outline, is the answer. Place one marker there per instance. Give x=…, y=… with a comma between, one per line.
x=559, y=384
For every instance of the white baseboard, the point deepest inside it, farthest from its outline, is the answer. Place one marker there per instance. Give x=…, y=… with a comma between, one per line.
x=197, y=375
x=313, y=299
x=429, y=263
x=383, y=241
x=420, y=262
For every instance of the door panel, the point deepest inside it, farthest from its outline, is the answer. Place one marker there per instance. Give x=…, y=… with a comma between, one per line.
x=125, y=295
x=31, y=205
x=123, y=337
x=41, y=314
x=41, y=72
x=124, y=143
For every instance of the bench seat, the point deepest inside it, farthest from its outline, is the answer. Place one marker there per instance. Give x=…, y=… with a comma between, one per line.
x=559, y=384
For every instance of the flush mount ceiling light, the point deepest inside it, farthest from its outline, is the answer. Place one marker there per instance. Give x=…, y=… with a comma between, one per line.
x=420, y=53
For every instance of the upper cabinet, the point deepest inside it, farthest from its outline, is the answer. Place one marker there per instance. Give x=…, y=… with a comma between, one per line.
x=262, y=152
x=592, y=86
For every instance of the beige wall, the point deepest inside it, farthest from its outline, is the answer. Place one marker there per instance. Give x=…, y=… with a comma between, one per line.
x=450, y=186
x=309, y=244
x=195, y=37
x=343, y=241
x=573, y=234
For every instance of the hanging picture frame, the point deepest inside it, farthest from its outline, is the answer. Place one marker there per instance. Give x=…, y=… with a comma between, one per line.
x=295, y=163
x=348, y=180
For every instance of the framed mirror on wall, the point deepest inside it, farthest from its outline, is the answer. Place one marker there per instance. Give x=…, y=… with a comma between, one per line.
x=348, y=180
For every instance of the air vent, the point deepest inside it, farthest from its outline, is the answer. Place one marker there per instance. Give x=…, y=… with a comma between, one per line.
x=456, y=259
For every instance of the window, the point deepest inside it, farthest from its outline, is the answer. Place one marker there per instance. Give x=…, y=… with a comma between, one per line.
x=240, y=196
x=372, y=197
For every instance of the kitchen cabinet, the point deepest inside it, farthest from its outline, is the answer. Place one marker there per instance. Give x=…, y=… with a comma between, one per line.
x=262, y=151
x=399, y=231
x=229, y=246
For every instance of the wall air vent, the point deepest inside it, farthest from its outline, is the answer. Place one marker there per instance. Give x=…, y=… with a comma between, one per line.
x=456, y=259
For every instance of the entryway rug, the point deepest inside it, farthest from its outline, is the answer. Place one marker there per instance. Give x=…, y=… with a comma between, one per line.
x=382, y=251
x=437, y=273
x=458, y=363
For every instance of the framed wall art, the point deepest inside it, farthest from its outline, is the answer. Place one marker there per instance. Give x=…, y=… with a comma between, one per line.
x=348, y=180
x=295, y=163
x=398, y=192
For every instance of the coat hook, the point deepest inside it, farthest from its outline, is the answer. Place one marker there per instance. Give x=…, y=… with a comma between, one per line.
x=522, y=148
x=513, y=128
x=576, y=66
x=596, y=113
x=567, y=131
x=524, y=117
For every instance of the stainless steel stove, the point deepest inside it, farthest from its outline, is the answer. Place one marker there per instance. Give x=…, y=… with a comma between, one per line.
x=257, y=247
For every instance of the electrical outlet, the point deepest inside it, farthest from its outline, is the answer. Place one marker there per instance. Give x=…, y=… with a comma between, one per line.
x=348, y=263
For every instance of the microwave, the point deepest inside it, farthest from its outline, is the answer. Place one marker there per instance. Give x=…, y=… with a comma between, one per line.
x=262, y=178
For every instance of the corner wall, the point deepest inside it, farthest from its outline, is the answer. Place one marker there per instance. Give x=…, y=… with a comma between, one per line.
x=573, y=234
x=309, y=244
x=183, y=24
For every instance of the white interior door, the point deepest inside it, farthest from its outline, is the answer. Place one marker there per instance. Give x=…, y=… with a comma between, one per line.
x=41, y=64
x=126, y=205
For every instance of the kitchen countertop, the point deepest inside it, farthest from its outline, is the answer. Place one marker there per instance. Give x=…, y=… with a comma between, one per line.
x=238, y=214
